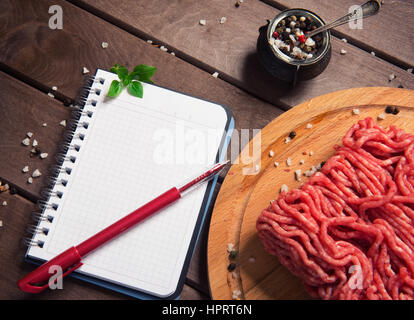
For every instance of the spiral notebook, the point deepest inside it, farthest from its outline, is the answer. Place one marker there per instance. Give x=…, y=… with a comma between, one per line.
x=118, y=154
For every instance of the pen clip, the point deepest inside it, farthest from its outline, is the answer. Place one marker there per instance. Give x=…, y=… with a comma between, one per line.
x=70, y=260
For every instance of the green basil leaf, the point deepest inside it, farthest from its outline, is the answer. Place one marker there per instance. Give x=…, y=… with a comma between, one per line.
x=115, y=68
x=148, y=81
x=127, y=80
x=135, y=88
x=122, y=73
x=115, y=88
x=144, y=72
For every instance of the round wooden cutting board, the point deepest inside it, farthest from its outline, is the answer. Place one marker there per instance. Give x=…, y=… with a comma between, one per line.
x=246, y=191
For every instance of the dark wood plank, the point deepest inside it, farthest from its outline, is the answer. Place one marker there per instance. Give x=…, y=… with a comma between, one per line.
x=189, y=293
x=21, y=115
x=379, y=34
x=14, y=217
x=28, y=45
x=24, y=109
x=249, y=112
x=230, y=48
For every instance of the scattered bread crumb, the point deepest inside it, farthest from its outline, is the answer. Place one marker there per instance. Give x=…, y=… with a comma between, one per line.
x=381, y=116
x=63, y=123
x=85, y=70
x=236, y=294
x=271, y=153
x=25, y=169
x=202, y=22
x=26, y=142
x=104, y=45
x=36, y=173
x=298, y=173
x=215, y=74
x=355, y=111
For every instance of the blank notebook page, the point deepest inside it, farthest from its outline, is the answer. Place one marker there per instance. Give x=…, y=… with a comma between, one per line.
x=134, y=150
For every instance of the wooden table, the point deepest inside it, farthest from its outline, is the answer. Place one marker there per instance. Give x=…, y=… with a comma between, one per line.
x=35, y=58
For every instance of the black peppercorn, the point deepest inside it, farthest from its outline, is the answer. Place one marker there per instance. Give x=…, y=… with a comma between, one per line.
x=400, y=86
x=231, y=267
x=285, y=36
x=292, y=134
x=396, y=111
x=232, y=254
x=389, y=109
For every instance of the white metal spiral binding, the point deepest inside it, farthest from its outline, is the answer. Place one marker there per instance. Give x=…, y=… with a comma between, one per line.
x=58, y=180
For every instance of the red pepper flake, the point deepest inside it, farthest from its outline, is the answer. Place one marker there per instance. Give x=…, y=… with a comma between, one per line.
x=287, y=170
x=302, y=38
x=304, y=153
x=275, y=35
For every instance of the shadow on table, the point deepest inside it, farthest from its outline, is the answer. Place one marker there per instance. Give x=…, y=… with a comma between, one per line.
x=262, y=83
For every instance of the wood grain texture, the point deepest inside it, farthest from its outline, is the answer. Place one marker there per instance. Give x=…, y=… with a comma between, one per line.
x=379, y=34
x=230, y=48
x=44, y=55
x=24, y=109
x=242, y=197
x=29, y=46
x=19, y=116
x=15, y=217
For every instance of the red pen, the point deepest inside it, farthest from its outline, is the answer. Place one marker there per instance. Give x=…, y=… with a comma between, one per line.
x=71, y=259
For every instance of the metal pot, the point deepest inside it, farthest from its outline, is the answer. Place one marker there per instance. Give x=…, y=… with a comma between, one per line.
x=284, y=67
